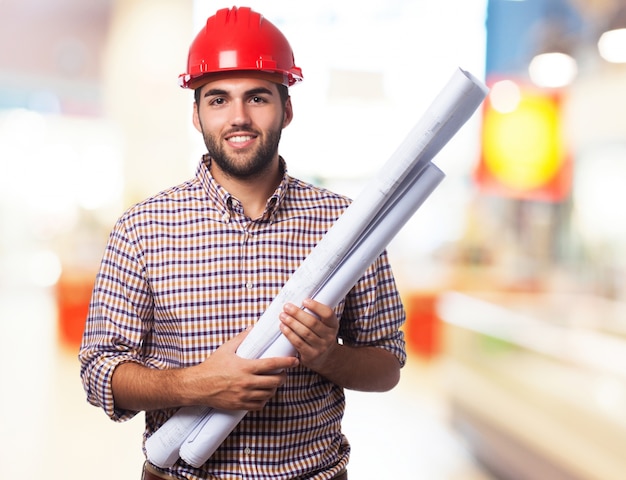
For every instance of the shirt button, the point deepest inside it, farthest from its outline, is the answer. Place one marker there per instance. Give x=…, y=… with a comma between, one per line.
x=247, y=451
x=249, y=285
x=225, y=217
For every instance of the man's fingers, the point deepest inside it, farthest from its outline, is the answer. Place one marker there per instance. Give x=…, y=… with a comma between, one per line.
x=274, y=365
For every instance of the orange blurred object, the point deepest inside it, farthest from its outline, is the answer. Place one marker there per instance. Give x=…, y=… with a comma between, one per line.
x=73, y=296
x=422, y=328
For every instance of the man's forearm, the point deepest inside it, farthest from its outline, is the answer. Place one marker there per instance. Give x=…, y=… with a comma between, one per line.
x=367, y=369
x=136, y=387
x=224, y=380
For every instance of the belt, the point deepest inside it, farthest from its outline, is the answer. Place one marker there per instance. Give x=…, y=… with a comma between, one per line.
x=151, y=473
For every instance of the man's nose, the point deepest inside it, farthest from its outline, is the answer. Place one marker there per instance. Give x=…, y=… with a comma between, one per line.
x=239, y=113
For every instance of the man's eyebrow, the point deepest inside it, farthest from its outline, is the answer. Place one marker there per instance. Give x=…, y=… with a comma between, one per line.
x=214, y=91
x=255, y=91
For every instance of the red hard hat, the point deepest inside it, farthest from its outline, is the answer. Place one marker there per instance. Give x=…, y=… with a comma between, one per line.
x=239, y=39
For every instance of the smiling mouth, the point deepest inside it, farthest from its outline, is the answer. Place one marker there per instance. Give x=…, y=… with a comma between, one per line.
x=240, y=138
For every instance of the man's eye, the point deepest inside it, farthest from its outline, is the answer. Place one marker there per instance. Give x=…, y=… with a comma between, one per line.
x=217, y=101
x=257, y=99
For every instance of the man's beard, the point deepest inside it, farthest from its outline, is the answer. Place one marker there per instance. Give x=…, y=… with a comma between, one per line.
x=250, y=164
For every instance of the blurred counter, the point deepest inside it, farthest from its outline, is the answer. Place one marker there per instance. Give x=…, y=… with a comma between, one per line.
x=537, y=383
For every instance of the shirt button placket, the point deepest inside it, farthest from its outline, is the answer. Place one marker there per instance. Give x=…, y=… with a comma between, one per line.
x=246, y=237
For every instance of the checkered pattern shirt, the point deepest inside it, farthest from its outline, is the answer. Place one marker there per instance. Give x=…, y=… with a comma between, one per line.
x=186, y=270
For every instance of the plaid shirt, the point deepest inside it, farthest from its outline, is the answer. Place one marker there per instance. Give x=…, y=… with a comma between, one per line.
x=186, y=270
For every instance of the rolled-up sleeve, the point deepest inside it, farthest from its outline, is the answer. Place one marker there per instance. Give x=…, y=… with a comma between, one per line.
x=120, y=313
x=373, y=313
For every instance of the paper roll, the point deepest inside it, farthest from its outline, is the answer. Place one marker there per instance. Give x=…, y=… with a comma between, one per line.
x=392, y=196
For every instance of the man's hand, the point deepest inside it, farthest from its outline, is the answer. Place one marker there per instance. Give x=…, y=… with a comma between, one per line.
x=312, y=331
x=232, y=382
x=224, y=380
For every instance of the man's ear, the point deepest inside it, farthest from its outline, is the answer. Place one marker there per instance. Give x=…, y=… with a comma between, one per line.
x=196, y=118
x=288, y=116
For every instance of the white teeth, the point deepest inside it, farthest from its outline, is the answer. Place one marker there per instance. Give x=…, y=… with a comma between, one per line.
x=240, y=138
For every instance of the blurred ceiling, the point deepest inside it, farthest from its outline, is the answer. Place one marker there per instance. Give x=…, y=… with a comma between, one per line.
x=520, y=29
x=594, y=8
x=52, y=46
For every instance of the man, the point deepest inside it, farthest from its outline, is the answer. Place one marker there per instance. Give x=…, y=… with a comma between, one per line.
x=188, y=271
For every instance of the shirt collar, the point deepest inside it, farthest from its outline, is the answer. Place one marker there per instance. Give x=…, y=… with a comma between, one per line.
x=226, y=203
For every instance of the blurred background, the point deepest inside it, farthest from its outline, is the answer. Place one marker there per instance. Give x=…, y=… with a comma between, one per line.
x=513, y=272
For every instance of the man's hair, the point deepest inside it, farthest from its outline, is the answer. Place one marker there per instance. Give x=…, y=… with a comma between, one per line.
x=283, y=91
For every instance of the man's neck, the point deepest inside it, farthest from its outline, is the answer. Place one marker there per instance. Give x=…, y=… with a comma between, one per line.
x=251, y=192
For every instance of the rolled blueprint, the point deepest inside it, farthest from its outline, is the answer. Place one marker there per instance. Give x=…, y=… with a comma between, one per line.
x=208, y=436
x=450, y=110
x=163, y=446
x=197, y=435
x=395, y=193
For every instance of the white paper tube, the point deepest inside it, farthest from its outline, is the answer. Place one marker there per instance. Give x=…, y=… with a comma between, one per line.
x=163, y=446
x=209, y=435
x=162, y=449
x=450, y=110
